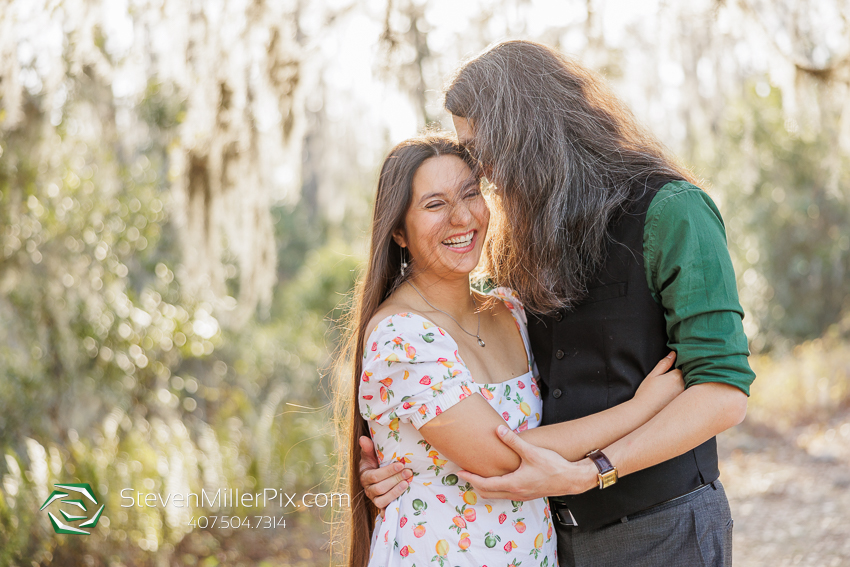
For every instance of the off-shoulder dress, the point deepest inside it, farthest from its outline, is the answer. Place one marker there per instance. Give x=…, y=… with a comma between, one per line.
x=412, y=372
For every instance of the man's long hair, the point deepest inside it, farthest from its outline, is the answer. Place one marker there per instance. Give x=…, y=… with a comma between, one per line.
x=566, y=157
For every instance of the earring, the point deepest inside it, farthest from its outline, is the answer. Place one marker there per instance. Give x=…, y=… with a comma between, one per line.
x=403, y=263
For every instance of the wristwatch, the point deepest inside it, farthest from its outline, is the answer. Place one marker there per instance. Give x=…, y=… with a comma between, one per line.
x=607, y=472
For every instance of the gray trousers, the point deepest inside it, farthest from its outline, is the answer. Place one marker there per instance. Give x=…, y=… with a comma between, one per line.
x=692, y=531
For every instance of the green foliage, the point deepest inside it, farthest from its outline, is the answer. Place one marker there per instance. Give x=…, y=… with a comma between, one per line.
x=112, y=376
x=86, y=292
x=160, y=108
x=789, y=194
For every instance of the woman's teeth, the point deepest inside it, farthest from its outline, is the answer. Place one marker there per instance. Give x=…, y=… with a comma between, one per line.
x=459, y=241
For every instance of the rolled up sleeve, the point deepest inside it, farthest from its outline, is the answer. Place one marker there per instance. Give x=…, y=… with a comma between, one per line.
x=689, y=271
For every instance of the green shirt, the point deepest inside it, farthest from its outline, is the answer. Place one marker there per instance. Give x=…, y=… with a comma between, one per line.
x=690, y=274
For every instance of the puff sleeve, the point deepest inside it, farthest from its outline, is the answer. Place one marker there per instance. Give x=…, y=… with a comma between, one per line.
x=411, y=372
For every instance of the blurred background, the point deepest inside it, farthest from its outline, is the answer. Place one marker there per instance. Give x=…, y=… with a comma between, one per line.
x=185, y=191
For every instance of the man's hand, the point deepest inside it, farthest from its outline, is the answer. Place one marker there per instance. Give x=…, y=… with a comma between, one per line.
x=541, y=473
x=385, y=484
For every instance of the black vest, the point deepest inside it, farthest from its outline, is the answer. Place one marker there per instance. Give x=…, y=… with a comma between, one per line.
x=595, y=355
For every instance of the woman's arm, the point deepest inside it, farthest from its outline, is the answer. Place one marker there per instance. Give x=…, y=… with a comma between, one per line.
x=406, y=379
x=465, y=434
x=468, y=436
x=576, y=438
x=702, y=412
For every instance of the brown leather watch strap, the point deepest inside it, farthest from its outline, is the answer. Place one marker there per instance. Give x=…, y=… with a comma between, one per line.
x=607, y=472
x=600, y=460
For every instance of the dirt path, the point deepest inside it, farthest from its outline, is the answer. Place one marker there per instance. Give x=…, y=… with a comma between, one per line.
x=790, y=493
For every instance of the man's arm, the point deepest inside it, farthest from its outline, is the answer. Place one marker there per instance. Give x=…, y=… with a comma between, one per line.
x=700, y=413
x=690, y=273
x=572, y=439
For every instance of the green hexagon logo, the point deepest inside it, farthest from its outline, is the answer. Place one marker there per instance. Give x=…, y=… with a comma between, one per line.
x=75, y=495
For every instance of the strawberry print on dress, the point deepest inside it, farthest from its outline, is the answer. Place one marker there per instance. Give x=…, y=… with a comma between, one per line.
x=412, y=372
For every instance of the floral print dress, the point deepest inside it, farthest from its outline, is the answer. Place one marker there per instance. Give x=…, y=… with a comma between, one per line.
x=412, y=372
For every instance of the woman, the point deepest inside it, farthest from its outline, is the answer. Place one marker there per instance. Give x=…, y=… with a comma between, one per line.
x=438, y=368
x=620, y=257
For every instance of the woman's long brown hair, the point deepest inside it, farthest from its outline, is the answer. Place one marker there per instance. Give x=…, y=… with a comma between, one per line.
x=382, y=277
x=566, y=157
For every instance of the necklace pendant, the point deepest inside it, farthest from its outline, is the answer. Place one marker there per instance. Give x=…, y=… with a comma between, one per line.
x=480, y=342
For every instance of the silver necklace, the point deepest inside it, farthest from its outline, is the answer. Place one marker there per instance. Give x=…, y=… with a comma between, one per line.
x=477, y=334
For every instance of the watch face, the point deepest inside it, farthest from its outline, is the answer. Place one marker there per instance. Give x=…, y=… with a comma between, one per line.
x=608, y=478
x=607, y=472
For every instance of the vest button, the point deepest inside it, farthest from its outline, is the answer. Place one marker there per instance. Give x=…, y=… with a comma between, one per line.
x=559, y=316
x=556, y=393
x=559, y=355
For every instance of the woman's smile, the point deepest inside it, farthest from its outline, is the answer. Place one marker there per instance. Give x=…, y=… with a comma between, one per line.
x=461, y=243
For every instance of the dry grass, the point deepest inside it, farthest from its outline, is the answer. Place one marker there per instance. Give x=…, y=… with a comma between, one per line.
x=803, y=386
x=787, y=467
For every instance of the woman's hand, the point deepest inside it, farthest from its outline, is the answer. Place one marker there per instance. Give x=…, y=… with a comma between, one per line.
x=385, y=484
x=381, y=485
x=661, y=386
